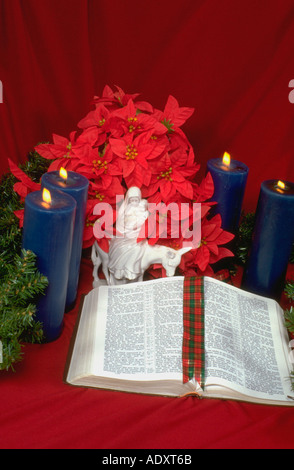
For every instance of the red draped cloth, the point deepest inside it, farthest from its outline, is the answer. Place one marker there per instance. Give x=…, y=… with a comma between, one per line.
x=233, y=62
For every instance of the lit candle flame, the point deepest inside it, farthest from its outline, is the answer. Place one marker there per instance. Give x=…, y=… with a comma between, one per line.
x=226, y=159
x=63, y=173
x=281, y=184
x=46, y=196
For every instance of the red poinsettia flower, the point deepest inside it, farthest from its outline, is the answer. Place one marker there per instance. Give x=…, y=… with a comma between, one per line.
x=128, y=120
x=100, y=168
x=98, y=120
x=116, y=99
x=173, y=116
x=209, y=251
x=67, y=152
x=133, y=154
x=170, y=176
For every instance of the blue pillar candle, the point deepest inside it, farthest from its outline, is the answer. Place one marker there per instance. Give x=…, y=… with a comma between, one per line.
x=75, y=185
x=48, y=232
x=273, y=237
x=229, y=178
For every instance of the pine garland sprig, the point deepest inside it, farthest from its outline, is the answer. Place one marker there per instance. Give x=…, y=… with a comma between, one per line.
x=289, y=312
x=35, y=166
x=289, y=319
x=21, y=283
x=289, y=290
x=244, y=237
x=19, y=290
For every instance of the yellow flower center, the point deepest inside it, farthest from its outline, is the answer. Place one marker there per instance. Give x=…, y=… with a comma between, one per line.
x=69, y=147
x=99, y=196
x=166, y=174
x=89, y=223
x=203, y=241
x=99, y=165
x=131, y=152
x=132, y=120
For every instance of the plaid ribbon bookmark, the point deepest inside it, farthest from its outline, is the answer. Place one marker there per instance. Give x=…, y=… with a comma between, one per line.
x=193, y=357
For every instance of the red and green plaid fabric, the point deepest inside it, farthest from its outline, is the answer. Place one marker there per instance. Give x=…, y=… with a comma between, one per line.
x=193, y=358
x=193, y=355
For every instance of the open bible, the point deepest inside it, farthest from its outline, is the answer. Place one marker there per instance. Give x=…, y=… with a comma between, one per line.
x=129, y=338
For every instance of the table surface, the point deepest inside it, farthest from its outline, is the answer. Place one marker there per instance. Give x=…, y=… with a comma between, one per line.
x=39, y=410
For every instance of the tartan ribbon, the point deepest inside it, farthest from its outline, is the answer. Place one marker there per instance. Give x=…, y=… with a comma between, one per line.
x=193, y=354
x=193, y=357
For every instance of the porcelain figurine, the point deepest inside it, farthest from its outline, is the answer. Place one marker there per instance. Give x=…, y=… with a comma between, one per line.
x=128, y=259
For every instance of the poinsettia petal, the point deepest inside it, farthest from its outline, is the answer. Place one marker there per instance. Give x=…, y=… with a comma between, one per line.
x=135, y=178
x=165, y=188
x=89, y=120
x=223, y=253
x=207, y=229
x=56, y=164
x=144, y=106
x=204, y=210
x=178, y=157
x=88, y=136
x=224, y=237
x=177, y=114
x=45, y=151
x=213, y=236
x=202, y=257
x=184, y=188
x=60, y=140
x=20, y=215
x=23, y=177
x=127, y=167
x=118, y=146
x=217, y=220
x=21, y=189
x=213, y=248
x=206, y=189
x=150, y=190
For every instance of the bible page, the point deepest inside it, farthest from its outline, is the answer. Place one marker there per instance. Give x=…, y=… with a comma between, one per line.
x=245, y=343
x=140, y=329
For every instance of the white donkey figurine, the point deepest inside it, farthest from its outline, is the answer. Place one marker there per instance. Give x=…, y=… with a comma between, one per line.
x=153, y=254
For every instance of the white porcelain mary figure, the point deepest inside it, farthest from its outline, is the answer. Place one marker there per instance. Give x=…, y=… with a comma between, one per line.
x=125, y=253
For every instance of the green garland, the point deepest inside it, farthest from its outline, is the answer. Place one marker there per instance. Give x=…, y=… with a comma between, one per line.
x=21, y=282
x=243, y=238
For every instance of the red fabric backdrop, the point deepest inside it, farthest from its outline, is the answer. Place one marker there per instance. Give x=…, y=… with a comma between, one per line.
x=233, y=62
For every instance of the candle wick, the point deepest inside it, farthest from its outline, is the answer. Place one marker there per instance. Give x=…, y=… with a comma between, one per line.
x=225, y=167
